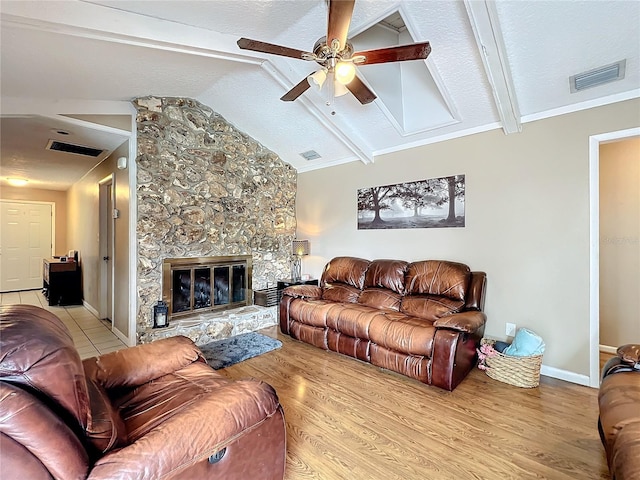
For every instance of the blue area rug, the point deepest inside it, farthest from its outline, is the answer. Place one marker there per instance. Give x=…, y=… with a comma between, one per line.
x=227, y=352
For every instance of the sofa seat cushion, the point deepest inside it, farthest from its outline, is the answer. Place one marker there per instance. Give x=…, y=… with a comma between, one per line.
x=311, y=312
x=246, y=402
x=392, y=330
x=403, y=334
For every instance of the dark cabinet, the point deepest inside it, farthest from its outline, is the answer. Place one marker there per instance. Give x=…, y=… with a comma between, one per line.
x=287, y=282
x=61, y=282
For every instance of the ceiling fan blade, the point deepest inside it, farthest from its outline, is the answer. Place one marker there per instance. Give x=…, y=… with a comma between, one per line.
x=257, y=46
x=339, y=20
x=361, y=91
x=296, y=91
x=414, y=51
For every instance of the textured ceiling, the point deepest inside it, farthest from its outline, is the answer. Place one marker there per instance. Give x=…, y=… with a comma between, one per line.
x=82, y=58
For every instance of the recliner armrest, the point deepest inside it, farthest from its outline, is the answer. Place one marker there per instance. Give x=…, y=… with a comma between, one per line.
x=311, y=292
x=467, y=322
x=138, y=365
x=630, y=353
x=193, y=434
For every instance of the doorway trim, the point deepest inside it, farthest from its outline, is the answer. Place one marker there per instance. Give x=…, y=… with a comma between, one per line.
x=105, y=216
x=594, y=245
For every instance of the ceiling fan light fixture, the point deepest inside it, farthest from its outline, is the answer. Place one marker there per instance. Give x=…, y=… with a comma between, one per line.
x=345, y=72
x=317, y=79
x=340, y=89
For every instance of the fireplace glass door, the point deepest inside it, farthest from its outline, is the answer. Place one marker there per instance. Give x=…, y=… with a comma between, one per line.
x=208, y=285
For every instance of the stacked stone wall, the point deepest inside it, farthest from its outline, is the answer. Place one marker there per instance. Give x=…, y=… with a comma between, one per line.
x=204, y=188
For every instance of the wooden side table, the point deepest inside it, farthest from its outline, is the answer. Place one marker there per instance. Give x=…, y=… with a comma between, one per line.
x=287, y=282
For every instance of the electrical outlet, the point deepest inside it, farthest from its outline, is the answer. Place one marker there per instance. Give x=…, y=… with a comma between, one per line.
x=510, y=330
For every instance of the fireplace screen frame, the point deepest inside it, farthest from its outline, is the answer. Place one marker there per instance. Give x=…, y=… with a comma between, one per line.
x=170, y=265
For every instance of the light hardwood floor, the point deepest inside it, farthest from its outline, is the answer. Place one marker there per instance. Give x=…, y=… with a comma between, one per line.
x=350, y=420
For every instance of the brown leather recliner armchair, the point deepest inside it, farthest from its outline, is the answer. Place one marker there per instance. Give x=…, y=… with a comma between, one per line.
x=155, y=411
x=619, y=420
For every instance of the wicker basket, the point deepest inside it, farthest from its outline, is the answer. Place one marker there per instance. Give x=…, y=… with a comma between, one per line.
x=519, y=371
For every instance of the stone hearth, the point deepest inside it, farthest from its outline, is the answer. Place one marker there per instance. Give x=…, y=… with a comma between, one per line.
x=211, y=326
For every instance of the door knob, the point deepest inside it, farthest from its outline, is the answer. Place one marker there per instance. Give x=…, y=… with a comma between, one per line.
x=106, y=259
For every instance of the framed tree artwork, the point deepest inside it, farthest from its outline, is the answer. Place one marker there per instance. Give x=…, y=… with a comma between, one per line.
x=433, y=203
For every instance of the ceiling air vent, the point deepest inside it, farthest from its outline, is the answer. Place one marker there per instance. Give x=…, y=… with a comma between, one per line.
x=71, y=148
x=597, y=76
x=310, y=155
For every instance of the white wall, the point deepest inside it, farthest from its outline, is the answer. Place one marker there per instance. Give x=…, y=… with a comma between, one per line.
x=83, y=235
x=527, y=221
x=620, y=243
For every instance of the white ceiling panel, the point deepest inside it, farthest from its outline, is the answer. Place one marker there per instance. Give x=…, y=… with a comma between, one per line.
x=107, y=51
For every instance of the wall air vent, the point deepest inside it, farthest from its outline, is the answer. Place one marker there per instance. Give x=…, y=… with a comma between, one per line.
x=597, y=76
x=310, y=155
x=71, y=148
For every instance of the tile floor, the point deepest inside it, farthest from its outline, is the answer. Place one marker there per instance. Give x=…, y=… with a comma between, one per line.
x=91, y=335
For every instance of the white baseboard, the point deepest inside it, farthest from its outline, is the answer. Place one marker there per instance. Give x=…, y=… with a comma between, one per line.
x=565, y=375
x=90, y=308
x=608, y=349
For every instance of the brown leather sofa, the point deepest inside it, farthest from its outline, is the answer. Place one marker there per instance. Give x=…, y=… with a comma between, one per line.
x=421, y=319
x=155, y=411
x=619, y=422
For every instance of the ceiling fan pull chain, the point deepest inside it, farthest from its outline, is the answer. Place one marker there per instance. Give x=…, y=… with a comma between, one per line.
x=331, y=88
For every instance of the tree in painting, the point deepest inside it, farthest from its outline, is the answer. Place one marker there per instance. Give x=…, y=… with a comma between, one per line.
x=436, y=202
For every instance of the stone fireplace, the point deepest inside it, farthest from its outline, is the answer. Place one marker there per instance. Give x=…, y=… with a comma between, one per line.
x=206, y=284
x=205, y=189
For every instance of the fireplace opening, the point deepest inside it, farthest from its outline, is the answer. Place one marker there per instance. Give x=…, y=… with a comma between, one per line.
x=199, y=284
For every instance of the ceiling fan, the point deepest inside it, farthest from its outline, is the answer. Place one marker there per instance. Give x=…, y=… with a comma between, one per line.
x=334, y=53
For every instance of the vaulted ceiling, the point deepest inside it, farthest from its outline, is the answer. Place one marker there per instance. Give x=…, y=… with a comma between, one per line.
x=493, y=65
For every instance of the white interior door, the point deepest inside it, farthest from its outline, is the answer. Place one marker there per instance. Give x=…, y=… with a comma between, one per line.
x=25, y=239
x=106, y=248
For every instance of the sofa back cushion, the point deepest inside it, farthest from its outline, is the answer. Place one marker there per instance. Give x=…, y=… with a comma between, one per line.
x=348, y=270
x=343, y=279
x=386, y=274
x=382, y=298
x=340, y=292
x=437, y=277
x=435, y=288
x=384, y=284
x=37, y=353
x=430, y=307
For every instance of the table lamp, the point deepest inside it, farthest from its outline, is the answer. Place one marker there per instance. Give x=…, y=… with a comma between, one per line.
x=300, y=248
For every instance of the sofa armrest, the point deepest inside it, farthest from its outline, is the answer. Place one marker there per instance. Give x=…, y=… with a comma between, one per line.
x=311, y=292
x=138, y=365
x=193, y=434
x=467, y=322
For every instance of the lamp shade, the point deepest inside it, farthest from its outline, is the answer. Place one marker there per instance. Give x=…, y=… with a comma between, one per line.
x=300, y=247
x=317, y=79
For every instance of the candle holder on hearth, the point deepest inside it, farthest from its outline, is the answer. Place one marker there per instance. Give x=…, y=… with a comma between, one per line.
x=160, y=315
